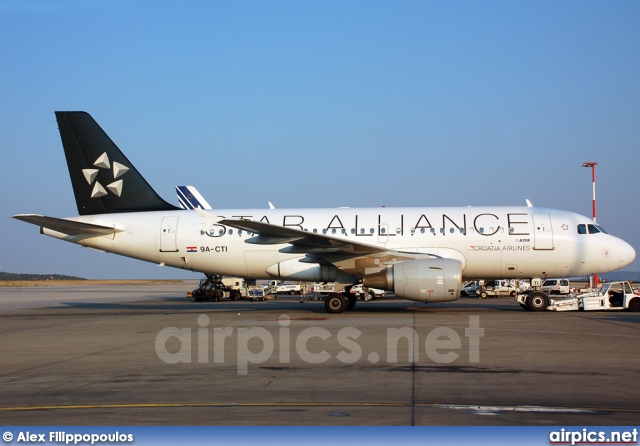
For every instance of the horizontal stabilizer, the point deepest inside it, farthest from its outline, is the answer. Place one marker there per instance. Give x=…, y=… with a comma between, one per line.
x=69, y=227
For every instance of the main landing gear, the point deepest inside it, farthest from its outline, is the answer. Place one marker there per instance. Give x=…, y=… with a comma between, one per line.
x=339, y=302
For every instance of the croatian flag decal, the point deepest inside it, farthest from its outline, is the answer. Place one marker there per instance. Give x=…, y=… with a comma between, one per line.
x=192, y=249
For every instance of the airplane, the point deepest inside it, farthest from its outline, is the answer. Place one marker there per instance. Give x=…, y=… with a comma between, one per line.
x=420, y=253
x=190, y=198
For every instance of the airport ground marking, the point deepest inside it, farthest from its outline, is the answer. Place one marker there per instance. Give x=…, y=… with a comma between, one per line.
x=510, y=408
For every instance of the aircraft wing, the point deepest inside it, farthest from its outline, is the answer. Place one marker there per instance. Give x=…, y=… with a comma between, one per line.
x=350, y=256
x=69, y=227
x=303, y=242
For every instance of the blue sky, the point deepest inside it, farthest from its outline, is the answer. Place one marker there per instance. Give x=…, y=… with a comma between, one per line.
x=322, y=104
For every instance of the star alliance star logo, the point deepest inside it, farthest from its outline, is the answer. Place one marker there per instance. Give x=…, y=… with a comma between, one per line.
x=103, y=163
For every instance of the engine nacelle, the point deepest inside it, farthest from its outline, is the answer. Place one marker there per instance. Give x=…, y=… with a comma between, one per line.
x=429, y=280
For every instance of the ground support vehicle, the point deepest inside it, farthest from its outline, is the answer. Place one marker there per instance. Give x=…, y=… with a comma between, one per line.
x=496, y=288
x=556, y=286
x=276, y=287
x=322, y=287
x=469, y=289
x=318, y=291
x=217, y=288
x=611, y=296
x=367, y=294
x=256, y=294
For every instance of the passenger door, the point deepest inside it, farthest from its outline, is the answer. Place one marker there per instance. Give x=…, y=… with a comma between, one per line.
x=168, y=234
x=542, y=232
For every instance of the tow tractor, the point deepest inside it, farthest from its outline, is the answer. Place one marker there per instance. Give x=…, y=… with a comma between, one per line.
x=611, y=296
x=216, y=288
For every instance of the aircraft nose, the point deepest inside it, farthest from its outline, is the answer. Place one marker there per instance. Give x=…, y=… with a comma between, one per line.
x=626, y=253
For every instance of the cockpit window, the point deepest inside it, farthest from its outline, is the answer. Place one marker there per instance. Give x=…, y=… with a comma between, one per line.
x=590, y=229
x=601, y=229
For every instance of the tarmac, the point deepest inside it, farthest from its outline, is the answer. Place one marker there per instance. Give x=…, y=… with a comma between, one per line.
x=144, y=354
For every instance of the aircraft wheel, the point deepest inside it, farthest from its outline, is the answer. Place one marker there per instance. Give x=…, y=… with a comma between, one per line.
x=537, y=301
x=335, y=303
x=634, y=305
x=351, y=302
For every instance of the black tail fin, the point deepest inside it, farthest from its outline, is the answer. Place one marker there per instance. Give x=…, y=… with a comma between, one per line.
x=103, y=179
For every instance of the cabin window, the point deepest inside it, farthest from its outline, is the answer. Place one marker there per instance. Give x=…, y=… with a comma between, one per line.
x=230, y=231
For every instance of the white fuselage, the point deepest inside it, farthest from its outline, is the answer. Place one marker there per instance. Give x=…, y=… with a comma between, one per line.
x=490, y=242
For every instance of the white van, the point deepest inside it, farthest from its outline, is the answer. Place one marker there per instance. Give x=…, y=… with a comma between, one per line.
x=556, y=286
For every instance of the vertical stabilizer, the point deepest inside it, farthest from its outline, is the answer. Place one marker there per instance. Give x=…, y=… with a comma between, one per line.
x=190, y=198
x=103, y=179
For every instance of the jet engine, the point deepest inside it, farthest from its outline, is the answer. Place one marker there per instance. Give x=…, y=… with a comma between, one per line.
x=428, y=280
